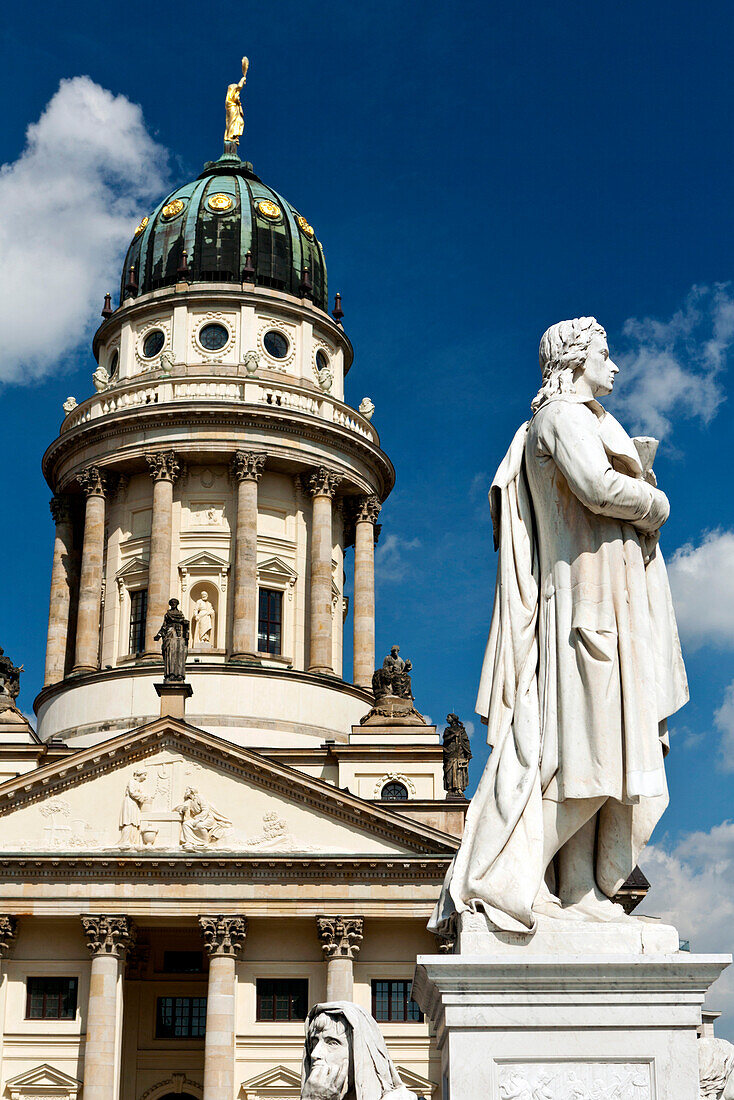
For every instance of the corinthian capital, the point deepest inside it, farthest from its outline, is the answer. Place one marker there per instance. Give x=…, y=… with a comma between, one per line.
x=367, y=509
x=223, y=935
x=109, y=935
x=341, y=937
x=163, y=465
x=323, y=482
x=8, y=932
x=60, y=509
x=247, y=465
x=93, y=481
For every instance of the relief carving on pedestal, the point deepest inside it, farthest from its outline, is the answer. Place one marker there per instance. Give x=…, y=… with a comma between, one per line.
x=575, y=1081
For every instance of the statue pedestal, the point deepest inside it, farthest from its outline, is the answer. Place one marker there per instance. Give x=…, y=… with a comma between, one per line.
x=587, y=1011
x=173, y=698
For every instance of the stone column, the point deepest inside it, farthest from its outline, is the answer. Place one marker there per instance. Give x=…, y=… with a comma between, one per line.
x=247, y=468
x=341, y=939
x=86, y=656
x=8, y=932
x=60, y=602
x=164, y=469
x=108, y=939
x=223, y=940
x=365, y=517
x=322, y=484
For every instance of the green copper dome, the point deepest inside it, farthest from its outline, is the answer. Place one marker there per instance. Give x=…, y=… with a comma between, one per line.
x=203, y=232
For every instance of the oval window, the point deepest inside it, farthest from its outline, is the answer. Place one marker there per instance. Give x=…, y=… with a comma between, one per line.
x=322, y=360
x=153, y=343
x=275, y=344
x=114, y=361
x=214, y=337
x=394, y=792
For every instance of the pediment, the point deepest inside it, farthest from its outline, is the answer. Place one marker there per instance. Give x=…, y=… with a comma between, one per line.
x=277, y=569
x=171, y=788
x=204, y=560
x=417, y=1084
x=43, y=1081
x=137, y=565
x=279, y=1083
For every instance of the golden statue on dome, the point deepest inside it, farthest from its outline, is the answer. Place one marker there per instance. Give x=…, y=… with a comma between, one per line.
x=235, y=120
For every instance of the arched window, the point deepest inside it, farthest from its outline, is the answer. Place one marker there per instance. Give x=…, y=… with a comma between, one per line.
x=394, y=792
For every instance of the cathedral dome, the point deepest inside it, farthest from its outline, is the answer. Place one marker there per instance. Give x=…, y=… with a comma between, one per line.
x=226, y=226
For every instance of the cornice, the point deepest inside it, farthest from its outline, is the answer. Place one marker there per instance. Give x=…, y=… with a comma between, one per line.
x=288, y=422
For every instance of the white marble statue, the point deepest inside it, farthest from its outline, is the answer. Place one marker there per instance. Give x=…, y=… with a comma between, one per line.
x=134, y=799
x=251, y=362
x=345, y=1057
x=325, y=379
x=201, y=824
x=716, y=1068
x=69, y=405
x=203, y=618
x=583, y=664
x=367, y=408
x=101, y=379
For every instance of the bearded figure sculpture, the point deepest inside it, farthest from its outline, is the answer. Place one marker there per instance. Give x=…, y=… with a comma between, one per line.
x=583, y=663
x=345, y=1057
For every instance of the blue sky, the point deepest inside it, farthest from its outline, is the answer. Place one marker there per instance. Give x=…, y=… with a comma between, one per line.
x=475, y=173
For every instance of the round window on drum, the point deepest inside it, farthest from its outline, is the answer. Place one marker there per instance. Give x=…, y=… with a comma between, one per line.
x=276, y=344
x=114, y=364
x=214, y=337
x=153, y=343
x=322, y=360
x=394, y=792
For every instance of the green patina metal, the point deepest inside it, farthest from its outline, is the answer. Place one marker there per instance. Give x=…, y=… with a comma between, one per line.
x=217, y=239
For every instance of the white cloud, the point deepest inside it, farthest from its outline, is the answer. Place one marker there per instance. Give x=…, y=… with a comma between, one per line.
x=69, y=207
x=702, y=583
x=672, y=369
x=724, y=722
x=693, y=888
x=470, y=728
x=393, y=557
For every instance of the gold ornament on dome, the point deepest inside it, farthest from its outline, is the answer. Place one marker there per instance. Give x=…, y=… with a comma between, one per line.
x=307, y=229
x=171, y=209
x=220, y=202
x=234, y=119
x=141, y=227
x=268, y=209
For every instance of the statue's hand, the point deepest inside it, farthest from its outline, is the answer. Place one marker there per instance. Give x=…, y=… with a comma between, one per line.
x=326, y=1082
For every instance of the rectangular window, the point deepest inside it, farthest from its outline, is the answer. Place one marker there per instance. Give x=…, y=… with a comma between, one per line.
x=183, y=962
x=392, y=1002
x=270, y=621
x=51, y=998
x=138, y=615
x=282, y=998
x=180, y=1018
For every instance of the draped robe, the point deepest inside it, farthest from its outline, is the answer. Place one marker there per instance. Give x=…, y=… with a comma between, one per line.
x=583, y=664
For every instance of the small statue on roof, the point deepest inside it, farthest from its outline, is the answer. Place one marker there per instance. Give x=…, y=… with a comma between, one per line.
x=456, y=757
x=235, y=119
x=174, y=638
x=9, y=681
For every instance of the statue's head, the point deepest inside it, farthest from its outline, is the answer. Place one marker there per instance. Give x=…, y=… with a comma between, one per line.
x=394, y=650
x=173, y=604
x=570, y=350
x=452, y=719
x=204, y=595
x=345, y=1057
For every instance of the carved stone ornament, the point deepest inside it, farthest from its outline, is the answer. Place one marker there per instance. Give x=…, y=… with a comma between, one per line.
x=251, y=362
x=9, y=680
x=109, y=935
x=367, y=408
x=367, y=509
x=8, y=932
x=341, y=937
x=163, y=465
x=323, y=482
x=101, y=379
x=60, y=509
x=247, y=465
x=93, y=481
x=223, y=935
x=69, y=405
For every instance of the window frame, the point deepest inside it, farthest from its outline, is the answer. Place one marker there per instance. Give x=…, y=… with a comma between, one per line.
x=141, y=623
x=182, y=997
x=394, y=783
x=407, y=1000
x=278, y=593
x=261, y=997
x=72, y=993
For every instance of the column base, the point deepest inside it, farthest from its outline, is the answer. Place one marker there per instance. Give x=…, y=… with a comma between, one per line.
x=574, y=1008
x=173, y=698
x=322, y=670
x=80, y=670
x=244, y=659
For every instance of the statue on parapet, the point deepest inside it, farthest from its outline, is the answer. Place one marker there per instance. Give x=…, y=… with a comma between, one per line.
x=9, y=681
x=345, y=1057
x=393, y=691
x=174, y=638
x=456, y=757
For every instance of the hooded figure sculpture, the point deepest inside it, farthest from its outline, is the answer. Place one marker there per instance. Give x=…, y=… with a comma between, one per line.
x=345, y=1057
x=583, y=664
